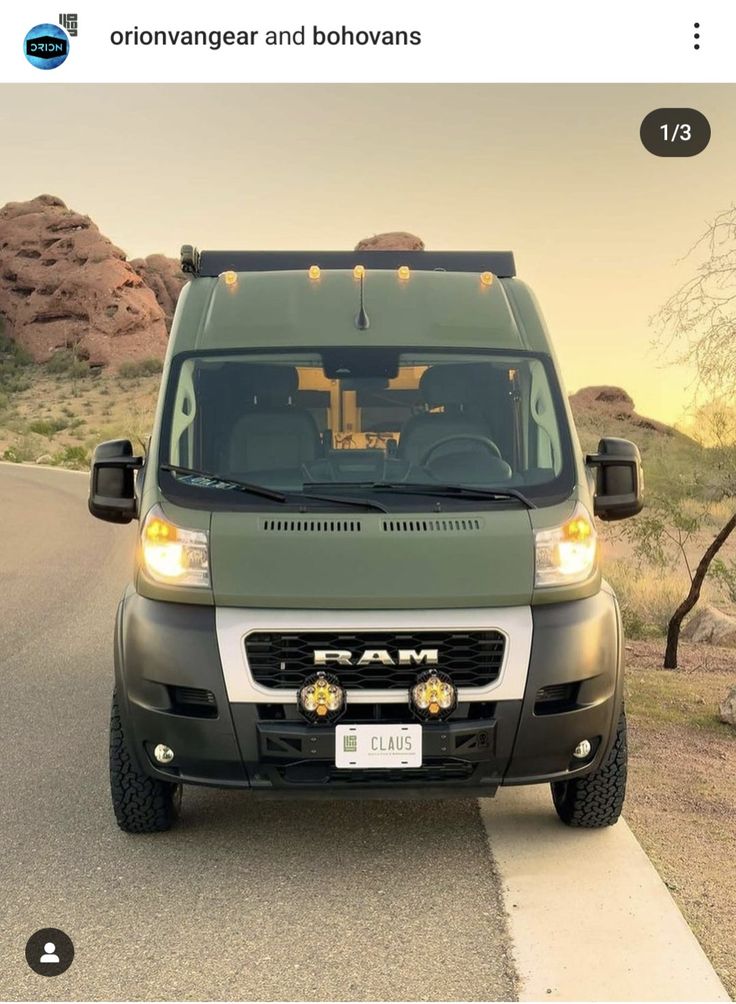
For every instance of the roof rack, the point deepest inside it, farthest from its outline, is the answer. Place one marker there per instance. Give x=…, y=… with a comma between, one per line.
x=212, y=263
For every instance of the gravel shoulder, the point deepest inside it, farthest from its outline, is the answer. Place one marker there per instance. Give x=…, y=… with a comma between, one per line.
x=681, y=801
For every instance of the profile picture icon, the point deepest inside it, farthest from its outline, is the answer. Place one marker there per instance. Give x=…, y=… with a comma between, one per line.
x=46, y=46
x=49, y=951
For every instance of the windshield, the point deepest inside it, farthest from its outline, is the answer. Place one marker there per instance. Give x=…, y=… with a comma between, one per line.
x=362, y=417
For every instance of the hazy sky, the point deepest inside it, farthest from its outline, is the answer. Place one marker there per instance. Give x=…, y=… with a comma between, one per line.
x=556, y=173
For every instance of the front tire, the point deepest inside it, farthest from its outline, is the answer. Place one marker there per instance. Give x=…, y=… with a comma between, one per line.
x=142, y=804
x=595, y=800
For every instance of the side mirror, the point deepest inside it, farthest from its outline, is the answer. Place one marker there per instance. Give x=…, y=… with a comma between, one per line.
x=112, y=481
x=619, y=479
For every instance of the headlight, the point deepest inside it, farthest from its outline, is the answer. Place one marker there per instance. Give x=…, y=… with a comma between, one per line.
x=173, y=555
x=566, y=554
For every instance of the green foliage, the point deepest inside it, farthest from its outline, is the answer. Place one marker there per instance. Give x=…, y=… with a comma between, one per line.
x=646, y=598
x=22, y=451
x=48, y=426
x=724, y=575
x=14, y=363
x=65, y=362
x=72, y=456
x=661, y=533
x=140, y=368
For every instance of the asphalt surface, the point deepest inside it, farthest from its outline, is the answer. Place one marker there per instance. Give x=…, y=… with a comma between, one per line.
x=244, y=899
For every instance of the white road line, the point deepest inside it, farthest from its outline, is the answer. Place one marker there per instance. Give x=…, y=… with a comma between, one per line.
x=590, y=918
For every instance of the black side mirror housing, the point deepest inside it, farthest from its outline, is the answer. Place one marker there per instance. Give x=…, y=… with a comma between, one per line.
x=619, y=479
x=112, y=482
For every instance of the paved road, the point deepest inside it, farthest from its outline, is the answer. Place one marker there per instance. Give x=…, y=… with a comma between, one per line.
x=250, y=900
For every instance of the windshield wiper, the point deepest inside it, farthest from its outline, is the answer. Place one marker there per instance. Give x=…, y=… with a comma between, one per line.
x=363, y=503
x=242, y=486
x=267, y=493
x=449, y=491
x=444, y=491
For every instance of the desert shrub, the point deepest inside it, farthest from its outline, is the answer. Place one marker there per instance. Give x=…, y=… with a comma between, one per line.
x=647, y=597
x=21, y=451
x=723, y=573
x=14, y=364
x=48, y=426
x=140, y=368
x=72, y=456
x=65, y=362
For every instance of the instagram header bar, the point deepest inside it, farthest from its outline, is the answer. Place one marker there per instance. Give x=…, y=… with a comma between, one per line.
x=326, y=41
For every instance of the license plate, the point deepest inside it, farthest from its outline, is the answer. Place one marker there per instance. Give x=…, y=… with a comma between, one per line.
x=378, y=746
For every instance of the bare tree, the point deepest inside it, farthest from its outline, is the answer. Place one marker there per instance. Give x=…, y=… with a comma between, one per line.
x=699, y=319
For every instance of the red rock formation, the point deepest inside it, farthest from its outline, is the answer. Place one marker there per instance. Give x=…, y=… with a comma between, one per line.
x=614, y=403
x=613, y=397
x=396, y=240
x=64, y=284
x=164, y=276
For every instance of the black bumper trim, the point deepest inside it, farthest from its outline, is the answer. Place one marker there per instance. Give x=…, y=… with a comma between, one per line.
x=470, y=741
x=161, y=646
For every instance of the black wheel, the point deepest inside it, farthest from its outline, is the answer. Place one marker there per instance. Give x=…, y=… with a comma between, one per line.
x=142, y=804
x=596, y=799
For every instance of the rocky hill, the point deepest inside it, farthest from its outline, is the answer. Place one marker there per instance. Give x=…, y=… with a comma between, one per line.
x=64, y=285
x=612, y=404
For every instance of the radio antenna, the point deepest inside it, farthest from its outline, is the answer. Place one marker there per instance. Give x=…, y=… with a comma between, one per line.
x=362, y=321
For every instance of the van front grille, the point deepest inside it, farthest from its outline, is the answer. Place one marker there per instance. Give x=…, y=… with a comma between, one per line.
x=472, y=658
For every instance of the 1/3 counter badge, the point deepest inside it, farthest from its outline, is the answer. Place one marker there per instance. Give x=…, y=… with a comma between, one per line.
x=46, y=46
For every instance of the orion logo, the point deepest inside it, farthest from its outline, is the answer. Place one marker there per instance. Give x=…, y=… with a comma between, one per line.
x=46, y=46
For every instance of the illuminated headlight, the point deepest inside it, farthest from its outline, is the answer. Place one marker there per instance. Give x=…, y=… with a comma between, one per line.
x=173, y=555
x=321, y=698
x=566, y=554
x=433, y=696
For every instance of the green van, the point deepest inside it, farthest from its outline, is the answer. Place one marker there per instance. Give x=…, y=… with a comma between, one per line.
x=367, y=562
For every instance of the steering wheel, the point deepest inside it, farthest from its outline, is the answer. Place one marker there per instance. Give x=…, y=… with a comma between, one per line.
x=470, y=437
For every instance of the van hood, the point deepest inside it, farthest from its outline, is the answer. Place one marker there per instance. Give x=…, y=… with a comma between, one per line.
x=370, y=560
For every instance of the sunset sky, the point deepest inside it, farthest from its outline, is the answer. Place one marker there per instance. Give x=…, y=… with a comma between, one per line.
x=556, y=173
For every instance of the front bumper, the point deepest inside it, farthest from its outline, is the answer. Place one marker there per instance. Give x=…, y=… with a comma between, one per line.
x=164, y=648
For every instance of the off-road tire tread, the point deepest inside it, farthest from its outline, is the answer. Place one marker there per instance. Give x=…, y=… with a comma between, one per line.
x=597, y=799
x=142, y=804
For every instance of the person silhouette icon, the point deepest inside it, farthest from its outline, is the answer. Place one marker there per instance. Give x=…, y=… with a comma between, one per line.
x=49, y=952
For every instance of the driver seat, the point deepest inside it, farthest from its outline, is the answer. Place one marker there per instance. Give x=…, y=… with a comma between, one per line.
x=449, y=386
x=272, y=433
